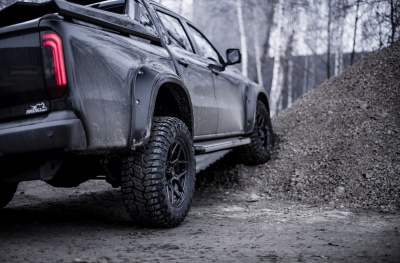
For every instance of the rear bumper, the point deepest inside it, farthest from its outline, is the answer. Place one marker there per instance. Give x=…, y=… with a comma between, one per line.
x=56, y=131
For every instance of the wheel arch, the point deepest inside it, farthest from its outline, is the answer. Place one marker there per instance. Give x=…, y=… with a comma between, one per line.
x=254, y=93
x=264, y=99
x=153, y=91
x=173, y=100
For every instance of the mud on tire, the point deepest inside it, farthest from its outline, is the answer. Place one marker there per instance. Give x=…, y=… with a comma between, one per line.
x=7, y=192
x=158, y=179
x=262, y=139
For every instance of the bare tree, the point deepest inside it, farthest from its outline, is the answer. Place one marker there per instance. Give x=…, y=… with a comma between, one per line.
x=329, y=42
x=394, y=20
x=281, y=89
x=243, y=39
x=315, y=38
x=339, y=21
x=276, y=87
x=256, y=24
x=353, y=51
x=285, y=98
x=270, y=8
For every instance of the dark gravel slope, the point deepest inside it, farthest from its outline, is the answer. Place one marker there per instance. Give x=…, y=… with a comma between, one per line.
x=339, y=144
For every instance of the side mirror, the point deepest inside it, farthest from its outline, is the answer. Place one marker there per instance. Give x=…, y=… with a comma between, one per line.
x=233, y=56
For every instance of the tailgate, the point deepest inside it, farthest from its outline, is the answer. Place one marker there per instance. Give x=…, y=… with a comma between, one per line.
x=22, y=85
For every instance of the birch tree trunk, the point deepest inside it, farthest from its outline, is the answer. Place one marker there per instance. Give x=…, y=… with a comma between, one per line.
x=339, y=38
x=355, y=32
x=287, y=68
x=306, y=74
x=282, y=82
x=290, y=83
x=394, y=19
x=276, y=87
x=314, y=71
x=270, y=13
x=328, y=52
x=291, y=27
x=257, y=46
x=243, y=42
x=315, y=24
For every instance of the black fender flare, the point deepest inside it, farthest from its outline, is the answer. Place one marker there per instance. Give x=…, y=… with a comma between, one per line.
x=145, y=87
x=252, y=95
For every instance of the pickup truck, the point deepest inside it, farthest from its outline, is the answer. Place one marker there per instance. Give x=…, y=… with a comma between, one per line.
x=126, y=91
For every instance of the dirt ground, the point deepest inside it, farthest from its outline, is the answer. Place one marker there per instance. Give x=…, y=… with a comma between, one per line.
x=89, y=224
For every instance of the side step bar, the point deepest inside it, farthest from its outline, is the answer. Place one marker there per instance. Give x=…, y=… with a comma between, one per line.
x=217, y=145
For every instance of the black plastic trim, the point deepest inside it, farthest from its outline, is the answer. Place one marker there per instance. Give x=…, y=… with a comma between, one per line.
x=60, y=130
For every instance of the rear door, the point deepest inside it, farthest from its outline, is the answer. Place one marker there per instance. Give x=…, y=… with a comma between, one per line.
x=195, y=73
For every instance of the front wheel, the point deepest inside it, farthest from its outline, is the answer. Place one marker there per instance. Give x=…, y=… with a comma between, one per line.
x=7, y=191
x=262, y=141
x=158, y=179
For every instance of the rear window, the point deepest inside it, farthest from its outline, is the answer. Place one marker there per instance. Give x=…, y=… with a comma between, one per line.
x=141, y=15
x=114, y=9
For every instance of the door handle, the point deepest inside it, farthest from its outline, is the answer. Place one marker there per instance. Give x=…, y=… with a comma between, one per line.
x=183, y=62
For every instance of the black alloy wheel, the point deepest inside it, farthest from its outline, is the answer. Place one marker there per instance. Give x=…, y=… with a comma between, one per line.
x=158, y=179
x=176, y=172
x=264, y=131
x=262, y=139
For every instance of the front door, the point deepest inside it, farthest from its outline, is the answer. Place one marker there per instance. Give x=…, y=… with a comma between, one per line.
x=229, y=87
x=195, y=74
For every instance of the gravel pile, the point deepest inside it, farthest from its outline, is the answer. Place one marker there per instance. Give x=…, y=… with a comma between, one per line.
x=337, y=145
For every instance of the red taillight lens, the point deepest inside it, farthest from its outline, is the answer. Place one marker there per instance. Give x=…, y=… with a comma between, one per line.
x=54, y=66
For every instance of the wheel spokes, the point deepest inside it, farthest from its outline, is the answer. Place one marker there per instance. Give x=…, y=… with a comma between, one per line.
x=177, y=165
x=170, y=193
x=178, y=181
x=176, y=146
x=263, y=130
x=176, y=155
x=179, y=176
x=177, y=194
x=260, y=121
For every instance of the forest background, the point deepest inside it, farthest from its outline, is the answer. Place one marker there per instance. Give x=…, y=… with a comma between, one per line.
x=292, y=46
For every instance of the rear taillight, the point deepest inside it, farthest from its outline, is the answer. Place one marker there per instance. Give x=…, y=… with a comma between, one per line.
x=53, y=65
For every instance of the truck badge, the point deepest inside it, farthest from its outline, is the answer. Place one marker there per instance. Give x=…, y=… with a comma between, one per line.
x=40, y=107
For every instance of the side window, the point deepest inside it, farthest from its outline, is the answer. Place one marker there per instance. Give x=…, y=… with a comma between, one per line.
x=175, y=31
x=139, y=13
x=115, y=9
x=206, y=49
x=145, y=20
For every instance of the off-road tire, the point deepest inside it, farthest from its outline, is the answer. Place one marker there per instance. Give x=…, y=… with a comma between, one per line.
x=158, y=179
x=7, y=192
x=262, y=139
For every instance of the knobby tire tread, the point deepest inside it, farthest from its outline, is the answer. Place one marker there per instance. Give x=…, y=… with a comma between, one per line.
x=143, y=177
x=255, y=153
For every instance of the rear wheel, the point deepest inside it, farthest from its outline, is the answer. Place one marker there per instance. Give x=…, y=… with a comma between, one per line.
x=158, y=179
x=262, y=141
x=7, y=192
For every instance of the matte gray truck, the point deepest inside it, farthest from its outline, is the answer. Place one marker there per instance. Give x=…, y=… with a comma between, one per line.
x=125, y=91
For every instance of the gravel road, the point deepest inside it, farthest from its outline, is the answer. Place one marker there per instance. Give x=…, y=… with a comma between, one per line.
x=89, y=224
